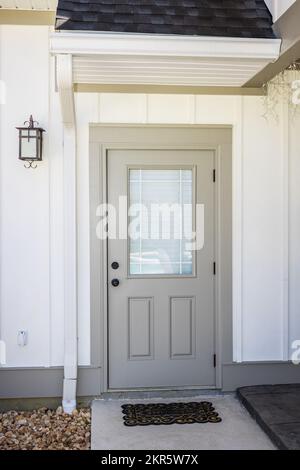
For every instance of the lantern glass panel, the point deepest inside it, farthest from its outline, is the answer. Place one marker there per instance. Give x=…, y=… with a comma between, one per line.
x=26, y=133
x=29, y=149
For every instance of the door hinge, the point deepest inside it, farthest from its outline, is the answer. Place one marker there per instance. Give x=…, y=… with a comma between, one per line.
x=215, y=360
x=214, y=176
x=215, y=268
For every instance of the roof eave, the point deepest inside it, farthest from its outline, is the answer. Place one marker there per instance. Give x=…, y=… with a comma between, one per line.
x=133, y=59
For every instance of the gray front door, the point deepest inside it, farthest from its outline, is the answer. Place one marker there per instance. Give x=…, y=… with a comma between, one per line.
x=161, y=313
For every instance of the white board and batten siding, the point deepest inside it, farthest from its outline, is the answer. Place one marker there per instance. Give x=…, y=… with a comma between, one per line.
x=32, y=294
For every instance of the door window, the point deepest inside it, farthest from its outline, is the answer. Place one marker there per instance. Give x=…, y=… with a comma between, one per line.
x=161, y=208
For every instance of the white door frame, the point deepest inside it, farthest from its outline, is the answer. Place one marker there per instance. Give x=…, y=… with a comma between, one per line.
x=101, y=152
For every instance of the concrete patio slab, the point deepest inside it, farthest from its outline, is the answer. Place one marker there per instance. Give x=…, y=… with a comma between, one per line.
x=238, y=431
x=276, y=408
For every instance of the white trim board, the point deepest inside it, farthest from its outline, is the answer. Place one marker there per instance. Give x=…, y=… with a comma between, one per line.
x=29, y=5
x=66, y=95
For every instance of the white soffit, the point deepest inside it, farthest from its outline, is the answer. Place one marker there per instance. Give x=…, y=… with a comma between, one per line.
x=164, y=60
x=38, y=5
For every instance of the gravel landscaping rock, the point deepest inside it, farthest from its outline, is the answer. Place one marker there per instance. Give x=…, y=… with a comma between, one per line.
x=45, y=429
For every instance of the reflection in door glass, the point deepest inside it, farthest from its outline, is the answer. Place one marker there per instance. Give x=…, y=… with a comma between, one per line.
x=160, y=222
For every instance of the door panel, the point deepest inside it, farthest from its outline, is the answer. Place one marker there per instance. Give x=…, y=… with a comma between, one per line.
x=161, y=315
x=140, y=328
x=182, y=334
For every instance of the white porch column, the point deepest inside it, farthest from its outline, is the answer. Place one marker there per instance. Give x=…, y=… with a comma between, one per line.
x=66, y=93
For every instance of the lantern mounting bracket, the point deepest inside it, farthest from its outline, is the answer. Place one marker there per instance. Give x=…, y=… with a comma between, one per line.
x=31, y=122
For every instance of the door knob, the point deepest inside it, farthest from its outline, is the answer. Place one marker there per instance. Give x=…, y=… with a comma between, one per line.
x=115, y=282
x=115, y=265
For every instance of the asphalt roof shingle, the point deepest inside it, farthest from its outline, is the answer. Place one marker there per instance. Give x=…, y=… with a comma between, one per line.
x=228, y=18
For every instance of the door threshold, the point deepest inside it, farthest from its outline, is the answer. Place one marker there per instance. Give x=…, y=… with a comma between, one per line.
x=160, y=393
x=166, y=389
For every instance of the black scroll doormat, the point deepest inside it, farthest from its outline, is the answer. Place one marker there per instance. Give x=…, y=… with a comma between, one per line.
x=170, y=413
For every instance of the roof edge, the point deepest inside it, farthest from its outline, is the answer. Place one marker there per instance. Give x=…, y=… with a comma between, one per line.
x=162, y=45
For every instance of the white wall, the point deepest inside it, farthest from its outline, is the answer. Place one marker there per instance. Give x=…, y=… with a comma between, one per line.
x=24, y=202
x=31, y=238
x=262, y=197
x=294, y=234
x=263, y=237
x=278, y=7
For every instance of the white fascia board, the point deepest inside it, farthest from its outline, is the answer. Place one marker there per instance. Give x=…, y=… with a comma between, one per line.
x=78, y=43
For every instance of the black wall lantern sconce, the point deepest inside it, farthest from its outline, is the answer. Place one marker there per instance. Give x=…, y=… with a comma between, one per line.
x=30, y=143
